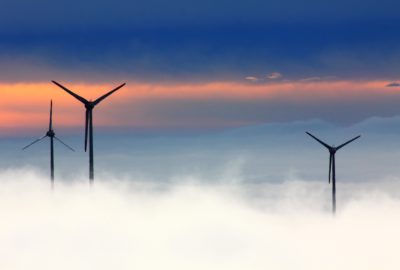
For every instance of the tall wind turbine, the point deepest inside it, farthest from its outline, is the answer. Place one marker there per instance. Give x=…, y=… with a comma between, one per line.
x=89, y=105
x=50, y=133
x=332, y=168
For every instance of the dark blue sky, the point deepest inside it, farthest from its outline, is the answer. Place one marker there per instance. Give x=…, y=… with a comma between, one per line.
x=52, y=15
x=198, y=40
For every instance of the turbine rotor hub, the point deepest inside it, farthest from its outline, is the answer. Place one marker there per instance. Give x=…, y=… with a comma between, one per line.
x=89, y=105
x=50, y=133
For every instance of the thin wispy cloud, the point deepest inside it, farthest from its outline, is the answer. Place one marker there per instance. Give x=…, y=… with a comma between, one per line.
x=261, y=79
x=252, y=79
x=393, y=84
x=274, y=76
x=311, y=79
x=318, y=78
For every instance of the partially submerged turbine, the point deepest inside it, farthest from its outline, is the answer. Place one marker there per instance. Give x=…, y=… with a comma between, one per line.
x=332, y=168
x=51, y=134
x=89, y=105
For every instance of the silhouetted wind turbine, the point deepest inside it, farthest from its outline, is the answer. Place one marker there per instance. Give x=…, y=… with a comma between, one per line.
x=89, y=105
x=332, y=168
x=50, y=133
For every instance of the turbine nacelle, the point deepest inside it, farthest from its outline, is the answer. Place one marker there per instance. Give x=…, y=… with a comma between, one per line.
x=89, y=105
x=50, y=133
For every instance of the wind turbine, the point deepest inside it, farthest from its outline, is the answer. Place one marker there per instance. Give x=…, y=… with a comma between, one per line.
x=332, y=168
x=50, y=133
x=89, y=105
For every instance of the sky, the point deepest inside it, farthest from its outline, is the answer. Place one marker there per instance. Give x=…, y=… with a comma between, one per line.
x=210, y=84
x=200, y=64
x=214, y=83
x=201, y=160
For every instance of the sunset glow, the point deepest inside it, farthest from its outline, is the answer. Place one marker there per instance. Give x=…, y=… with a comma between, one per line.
x=25, y=105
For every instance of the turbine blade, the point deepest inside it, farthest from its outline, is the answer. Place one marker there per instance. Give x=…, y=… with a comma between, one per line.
x=318, y=140
x=35, y=141
x=86, y=128
x=349, y=141
x=81, y=99
x=51, y=115
x=97, y=101
x=66, y=145
x=330, y=168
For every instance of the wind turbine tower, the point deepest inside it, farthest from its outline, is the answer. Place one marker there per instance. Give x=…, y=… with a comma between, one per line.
x=89, y=106
x=332, y=165
x=51, y=134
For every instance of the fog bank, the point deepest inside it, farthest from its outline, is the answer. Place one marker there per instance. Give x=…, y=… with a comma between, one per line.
x=128, y=224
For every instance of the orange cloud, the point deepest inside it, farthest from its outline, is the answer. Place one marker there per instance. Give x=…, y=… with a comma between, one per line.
x=26, y=105
x=235, y=90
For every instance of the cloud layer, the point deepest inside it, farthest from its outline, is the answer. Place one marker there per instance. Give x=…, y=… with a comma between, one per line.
x=194, y=226
x=202, y=106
